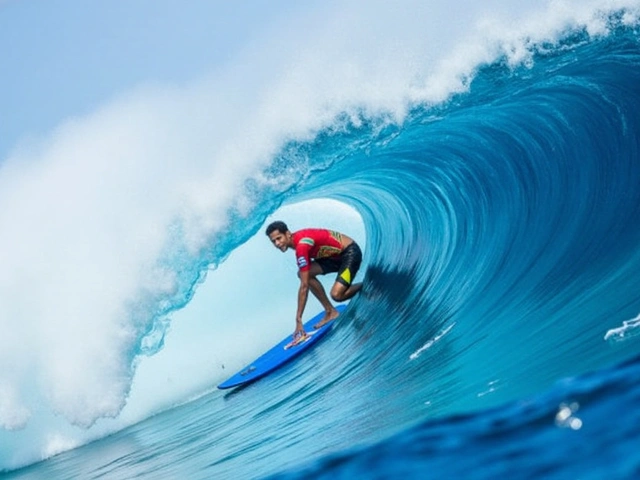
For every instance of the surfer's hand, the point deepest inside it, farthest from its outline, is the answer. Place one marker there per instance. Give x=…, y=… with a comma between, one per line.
x=299, y=336
x=299, y=332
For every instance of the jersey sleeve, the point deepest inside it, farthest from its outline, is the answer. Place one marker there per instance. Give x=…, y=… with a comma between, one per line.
x=303, y=258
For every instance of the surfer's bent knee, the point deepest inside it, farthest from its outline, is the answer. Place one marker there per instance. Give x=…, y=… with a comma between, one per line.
x=351, y=260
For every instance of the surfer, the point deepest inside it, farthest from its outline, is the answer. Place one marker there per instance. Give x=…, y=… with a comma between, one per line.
x=318, y=252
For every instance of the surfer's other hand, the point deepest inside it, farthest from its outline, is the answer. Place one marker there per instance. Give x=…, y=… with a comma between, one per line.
x=299, y=333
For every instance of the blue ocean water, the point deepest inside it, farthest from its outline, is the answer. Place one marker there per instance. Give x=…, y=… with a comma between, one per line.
x=502, y=231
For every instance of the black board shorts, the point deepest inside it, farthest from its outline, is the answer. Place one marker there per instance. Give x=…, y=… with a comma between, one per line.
x=346, y=264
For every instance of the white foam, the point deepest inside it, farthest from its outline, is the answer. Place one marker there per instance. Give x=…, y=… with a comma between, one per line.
x=431, y=342
x=57, y=443
x=13, y=414
x=629, y=329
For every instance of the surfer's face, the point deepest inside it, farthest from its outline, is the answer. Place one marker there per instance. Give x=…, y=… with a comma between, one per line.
x=280, y=240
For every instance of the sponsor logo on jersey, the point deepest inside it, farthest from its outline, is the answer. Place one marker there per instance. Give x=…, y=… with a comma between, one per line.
x=327, y=251
x=302, y=262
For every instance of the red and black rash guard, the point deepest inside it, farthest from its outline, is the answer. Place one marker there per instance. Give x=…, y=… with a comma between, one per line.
x=313, y=243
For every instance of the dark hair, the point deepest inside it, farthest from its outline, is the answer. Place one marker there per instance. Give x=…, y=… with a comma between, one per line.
x=277, y=225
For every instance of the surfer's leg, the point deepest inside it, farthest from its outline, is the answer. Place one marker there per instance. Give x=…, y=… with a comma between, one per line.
x=319, y=292
x=341, y=293
x=343, y=289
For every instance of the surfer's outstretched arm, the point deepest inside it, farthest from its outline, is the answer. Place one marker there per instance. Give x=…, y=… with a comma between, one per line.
x=303, y=294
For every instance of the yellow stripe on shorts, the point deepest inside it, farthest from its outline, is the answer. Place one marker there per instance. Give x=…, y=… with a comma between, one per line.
x=346, y=275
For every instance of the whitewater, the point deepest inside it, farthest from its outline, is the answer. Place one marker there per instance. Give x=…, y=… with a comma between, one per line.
x=487, y=159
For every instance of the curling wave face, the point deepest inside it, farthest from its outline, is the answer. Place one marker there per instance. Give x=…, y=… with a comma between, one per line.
x=511, y=212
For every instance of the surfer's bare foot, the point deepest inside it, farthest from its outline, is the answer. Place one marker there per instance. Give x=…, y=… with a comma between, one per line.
x=328, y=317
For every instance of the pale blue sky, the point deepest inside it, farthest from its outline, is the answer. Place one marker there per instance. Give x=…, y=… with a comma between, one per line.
x=63, y=58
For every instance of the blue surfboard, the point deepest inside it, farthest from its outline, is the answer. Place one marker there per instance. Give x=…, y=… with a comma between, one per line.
x=280, y=354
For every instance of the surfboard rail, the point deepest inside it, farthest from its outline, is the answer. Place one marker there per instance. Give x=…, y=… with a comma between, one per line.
x=280, y=354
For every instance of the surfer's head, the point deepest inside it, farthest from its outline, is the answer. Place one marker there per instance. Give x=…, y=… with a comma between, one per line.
x=279, y=234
